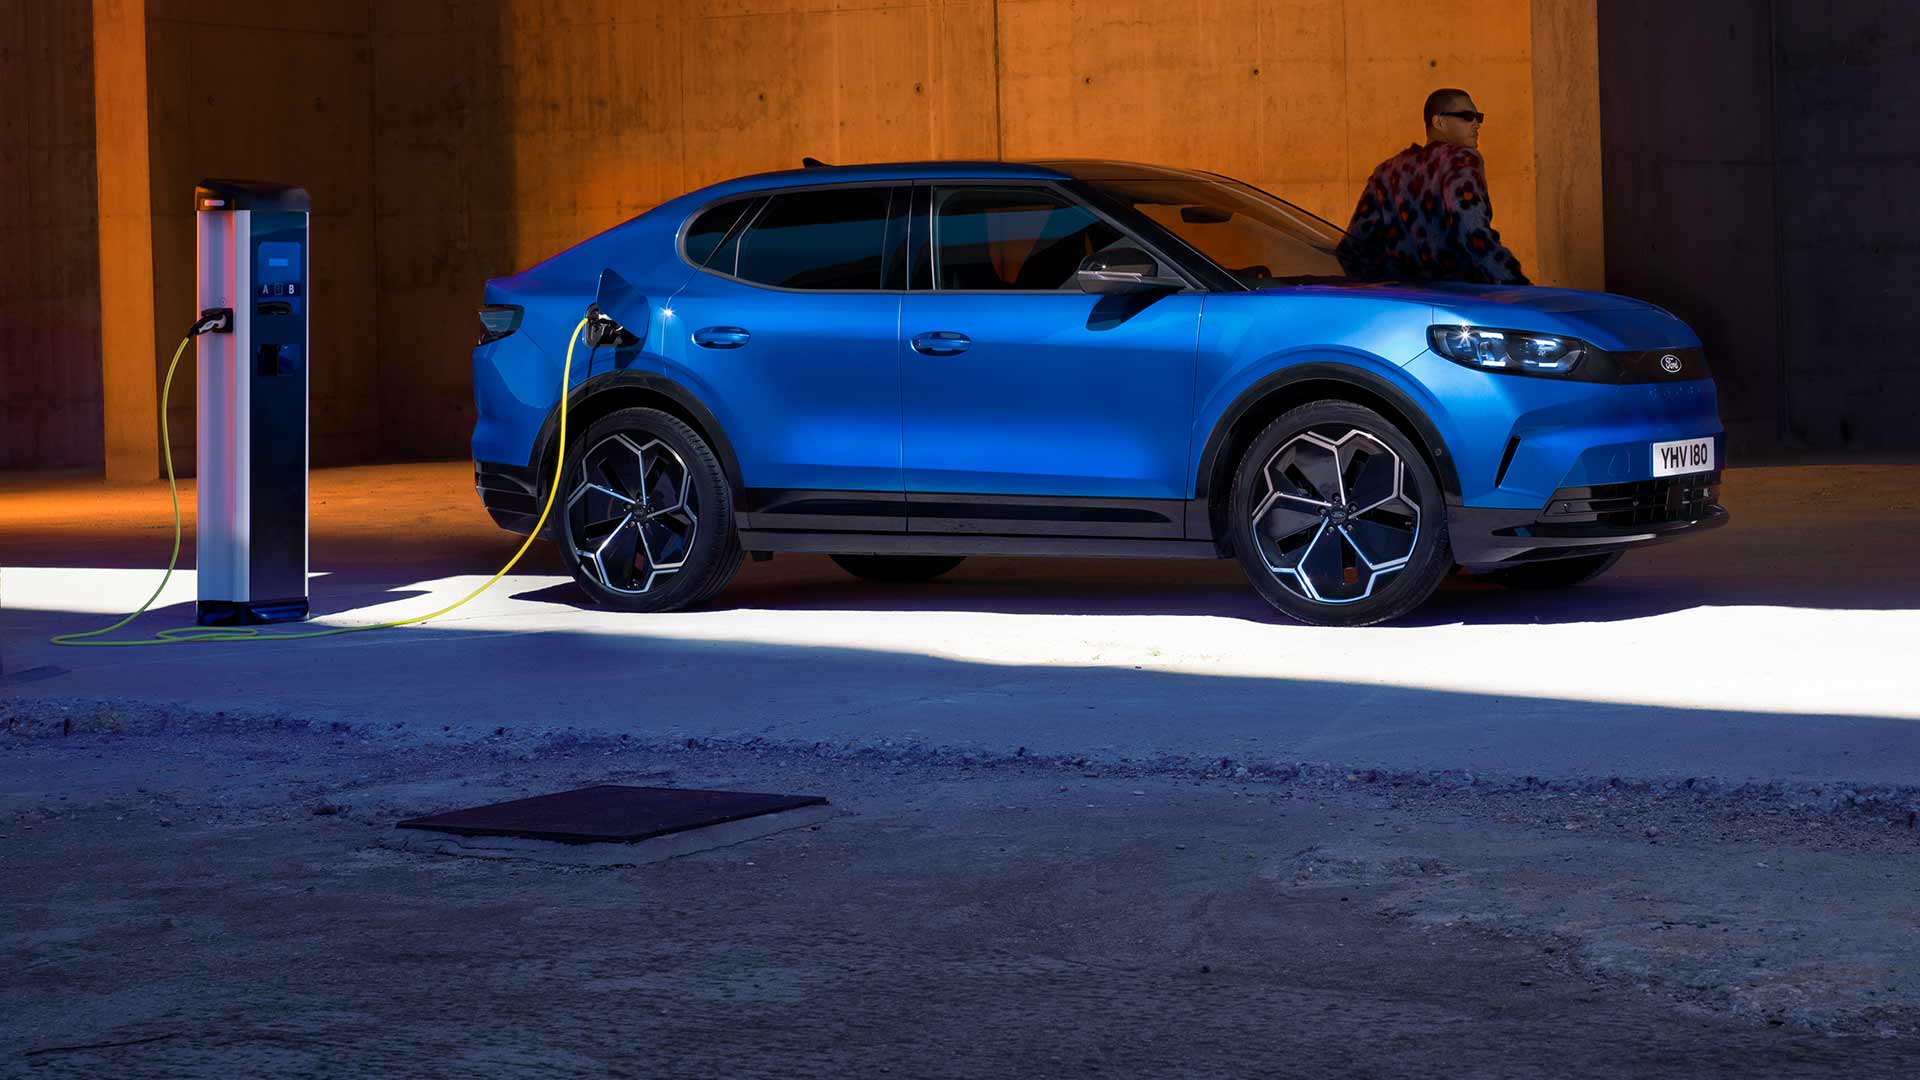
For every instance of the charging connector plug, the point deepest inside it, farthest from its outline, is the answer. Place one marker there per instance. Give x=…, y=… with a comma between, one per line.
x=214, y=320
x=602, y=330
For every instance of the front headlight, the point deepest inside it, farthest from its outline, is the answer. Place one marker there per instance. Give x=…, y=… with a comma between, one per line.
x=1507, y=350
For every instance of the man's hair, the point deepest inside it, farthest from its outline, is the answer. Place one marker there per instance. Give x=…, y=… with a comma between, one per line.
x=1440, y=101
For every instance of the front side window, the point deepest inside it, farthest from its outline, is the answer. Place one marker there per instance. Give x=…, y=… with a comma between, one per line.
x=1026, y=239
x=827, y=239
x=1257, y=238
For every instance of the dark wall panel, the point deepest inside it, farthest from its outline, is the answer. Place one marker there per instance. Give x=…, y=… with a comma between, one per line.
x=284, y=94
x=49, y=238
x=1848, y=152
x=1757, y=160
x=444, y=211
x=1687, y=168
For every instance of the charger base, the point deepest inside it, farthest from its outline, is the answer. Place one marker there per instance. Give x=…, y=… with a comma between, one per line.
x=249, y=612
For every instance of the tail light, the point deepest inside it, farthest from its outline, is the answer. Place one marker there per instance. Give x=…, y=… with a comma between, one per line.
x=498, y=320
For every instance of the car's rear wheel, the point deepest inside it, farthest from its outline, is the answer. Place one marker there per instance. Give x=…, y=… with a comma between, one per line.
x=1337, y=519
x=897, y=568
x=1552, y=573
x=646, y=514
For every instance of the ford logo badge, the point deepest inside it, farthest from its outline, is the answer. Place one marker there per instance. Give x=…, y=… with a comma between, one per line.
x=1670, y=364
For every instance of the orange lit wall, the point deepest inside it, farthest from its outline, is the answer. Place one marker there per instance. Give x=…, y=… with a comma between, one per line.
x=607, y=109
x=1303, y=97
x=446, y=142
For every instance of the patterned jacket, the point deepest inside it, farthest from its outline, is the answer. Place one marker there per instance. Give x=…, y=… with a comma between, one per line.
x=1426, y=216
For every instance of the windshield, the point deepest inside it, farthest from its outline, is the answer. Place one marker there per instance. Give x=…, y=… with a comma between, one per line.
x=1253, y=236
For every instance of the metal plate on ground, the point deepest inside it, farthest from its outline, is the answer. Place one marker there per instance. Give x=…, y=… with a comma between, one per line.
x=610, y=814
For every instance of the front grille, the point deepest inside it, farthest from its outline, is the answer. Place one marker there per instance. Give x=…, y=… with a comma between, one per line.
x=1641, y=502
x=1644, y=366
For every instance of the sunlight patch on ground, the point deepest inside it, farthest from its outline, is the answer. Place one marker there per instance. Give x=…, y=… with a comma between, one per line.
x=1759, y=659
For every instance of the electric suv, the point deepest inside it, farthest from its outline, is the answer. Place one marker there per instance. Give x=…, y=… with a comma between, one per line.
x=904, y=365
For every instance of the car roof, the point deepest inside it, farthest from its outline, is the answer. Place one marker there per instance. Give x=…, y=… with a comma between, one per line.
x=1103, y=169
x=1057, y=169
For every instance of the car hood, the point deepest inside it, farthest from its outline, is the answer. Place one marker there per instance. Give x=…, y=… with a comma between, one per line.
x=1602, y=319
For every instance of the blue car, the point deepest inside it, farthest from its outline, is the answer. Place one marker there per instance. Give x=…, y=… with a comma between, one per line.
x=904, y=365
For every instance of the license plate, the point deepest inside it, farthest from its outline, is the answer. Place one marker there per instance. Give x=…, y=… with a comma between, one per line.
x=1684, y=456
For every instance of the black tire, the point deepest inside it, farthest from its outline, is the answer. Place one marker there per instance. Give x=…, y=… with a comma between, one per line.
x=626, y=547
x=897, y=569
x=1552, y=573
x=1356, y=454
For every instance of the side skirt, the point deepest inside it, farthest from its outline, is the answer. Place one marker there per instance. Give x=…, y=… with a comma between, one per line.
x=840, y=543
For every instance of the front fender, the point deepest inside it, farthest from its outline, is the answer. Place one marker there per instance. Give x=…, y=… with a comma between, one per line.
x=1291, y=375
x=1254, y=345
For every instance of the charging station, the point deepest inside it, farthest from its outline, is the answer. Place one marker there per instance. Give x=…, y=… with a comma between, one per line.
x=251, y=452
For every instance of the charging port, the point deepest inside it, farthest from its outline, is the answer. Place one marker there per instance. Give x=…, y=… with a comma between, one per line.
x=602, y=330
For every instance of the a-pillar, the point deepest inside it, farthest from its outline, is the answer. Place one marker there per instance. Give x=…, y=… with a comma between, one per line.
x=128, y=390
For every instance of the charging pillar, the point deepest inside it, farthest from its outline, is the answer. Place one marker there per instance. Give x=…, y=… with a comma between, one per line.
x=251, y=454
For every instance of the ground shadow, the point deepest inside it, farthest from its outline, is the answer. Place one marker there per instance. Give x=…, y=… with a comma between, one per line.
x=362, y=575
x=1065, y=587
x=894, y=701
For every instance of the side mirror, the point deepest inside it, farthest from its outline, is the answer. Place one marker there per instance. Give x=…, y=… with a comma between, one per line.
x=1122, y=270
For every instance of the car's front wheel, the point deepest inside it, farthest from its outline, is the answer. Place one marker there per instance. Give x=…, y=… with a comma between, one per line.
x=1337, y=519
x=646, y=514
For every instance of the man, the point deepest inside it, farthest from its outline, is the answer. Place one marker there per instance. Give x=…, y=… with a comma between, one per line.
x=1425, y=214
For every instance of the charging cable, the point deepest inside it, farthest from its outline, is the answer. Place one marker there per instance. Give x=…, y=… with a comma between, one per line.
x=220, y=320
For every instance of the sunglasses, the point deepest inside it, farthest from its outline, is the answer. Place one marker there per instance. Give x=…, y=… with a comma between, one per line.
x=1467, y=114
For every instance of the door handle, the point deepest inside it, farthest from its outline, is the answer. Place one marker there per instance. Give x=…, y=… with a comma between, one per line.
x=941, y=343
x=721, y=337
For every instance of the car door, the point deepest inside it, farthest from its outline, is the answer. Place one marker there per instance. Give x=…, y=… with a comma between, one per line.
x=1028, y=405
x=792, y=327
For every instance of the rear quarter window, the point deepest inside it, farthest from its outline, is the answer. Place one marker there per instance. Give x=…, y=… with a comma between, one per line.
x=708, y=229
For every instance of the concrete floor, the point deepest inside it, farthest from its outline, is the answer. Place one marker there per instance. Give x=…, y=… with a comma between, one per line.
x=1775, y=651
x=1095, y=818
x=222, y=902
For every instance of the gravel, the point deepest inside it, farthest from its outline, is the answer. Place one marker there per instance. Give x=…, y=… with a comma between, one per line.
x=187, y=897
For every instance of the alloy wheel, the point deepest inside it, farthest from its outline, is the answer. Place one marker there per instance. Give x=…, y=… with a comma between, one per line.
x=1336, y=519
x=633, y=513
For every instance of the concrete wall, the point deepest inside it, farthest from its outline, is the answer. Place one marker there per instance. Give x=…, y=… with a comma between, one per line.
x=445, y=216
x=275, y=92
x=1689, y=216
x=1302, y=97
x=1847, y=151
x=1757, y=156
x=1570, y=243
x=50, y=396
x=130, y=383
x=448, y=141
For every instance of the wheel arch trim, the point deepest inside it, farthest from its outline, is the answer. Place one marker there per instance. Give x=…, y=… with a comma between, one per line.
x=1291, y=385
x=587, y=398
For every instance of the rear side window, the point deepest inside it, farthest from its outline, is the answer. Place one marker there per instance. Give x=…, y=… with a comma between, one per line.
x=829, y=239
x=1024, y=239
x=711, y=227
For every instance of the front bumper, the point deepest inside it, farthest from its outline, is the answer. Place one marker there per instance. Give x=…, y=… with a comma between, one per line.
x=1588, y=520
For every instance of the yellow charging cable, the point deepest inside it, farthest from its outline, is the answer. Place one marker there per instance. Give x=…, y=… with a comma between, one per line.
x=182, y=634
